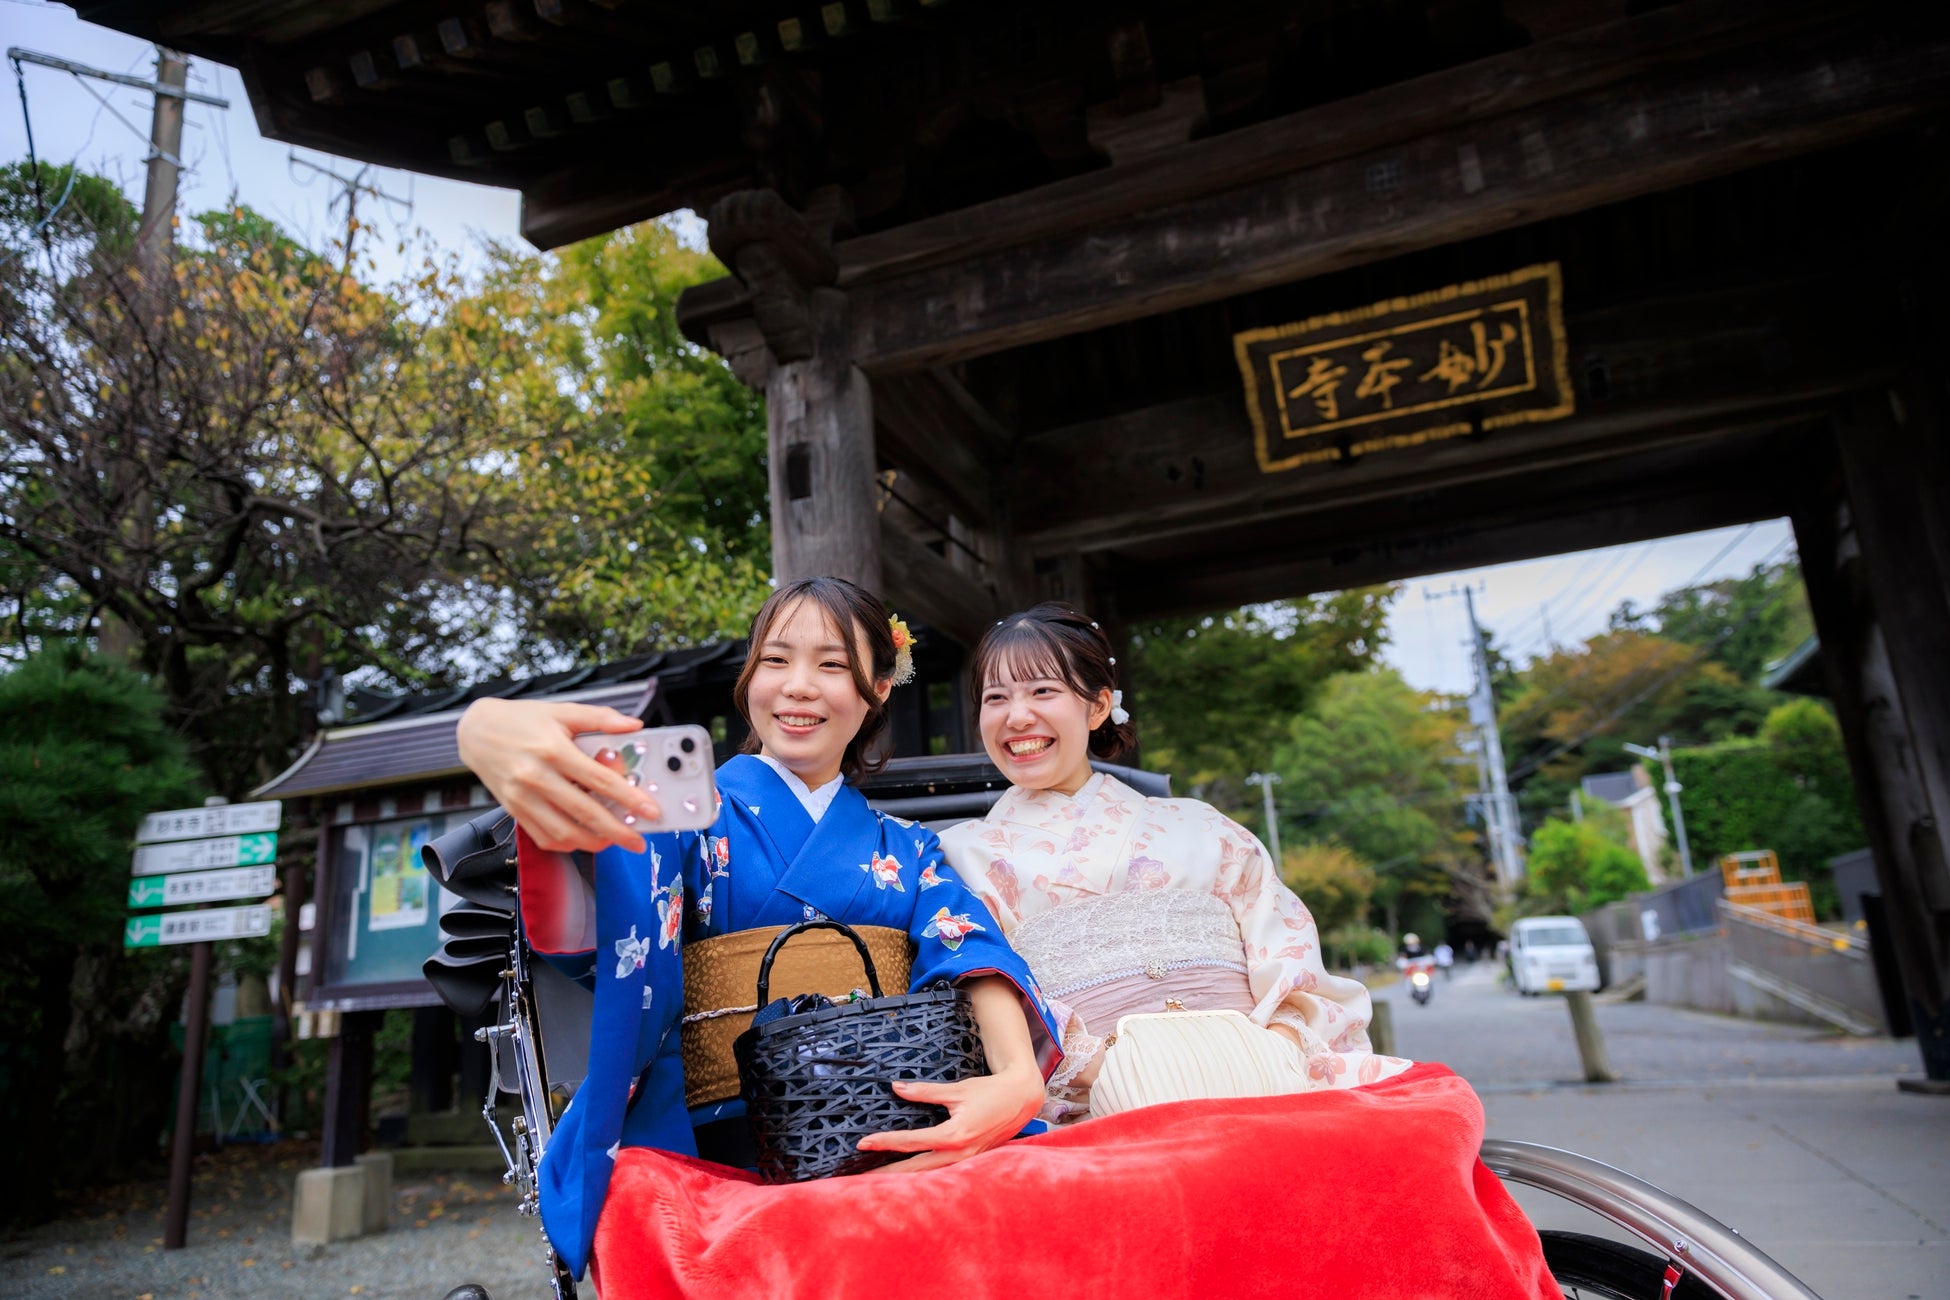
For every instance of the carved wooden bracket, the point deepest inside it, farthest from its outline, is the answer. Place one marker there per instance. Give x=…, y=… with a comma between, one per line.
x=781, y=257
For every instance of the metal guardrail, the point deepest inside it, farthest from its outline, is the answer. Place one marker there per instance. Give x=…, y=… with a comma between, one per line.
x=1732, y=1267
x=1814, y=935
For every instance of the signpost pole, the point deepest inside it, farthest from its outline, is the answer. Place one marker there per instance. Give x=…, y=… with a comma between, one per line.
x=189, y=1086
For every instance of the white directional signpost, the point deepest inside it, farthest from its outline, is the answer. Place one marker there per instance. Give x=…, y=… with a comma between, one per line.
x=216, y=853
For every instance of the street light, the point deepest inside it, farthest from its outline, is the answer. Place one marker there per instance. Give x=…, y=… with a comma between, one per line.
x=1664, y=754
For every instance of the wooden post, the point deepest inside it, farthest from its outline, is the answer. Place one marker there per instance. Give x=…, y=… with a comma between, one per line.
x=819, y=406
x=1876, y=570
x=1591, y=1039
x=1381, y=1028
x=189, y=1085
x=348, y=1077
x=819, y=431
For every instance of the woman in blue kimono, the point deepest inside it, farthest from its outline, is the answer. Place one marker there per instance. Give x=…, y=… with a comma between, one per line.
x=792, y=841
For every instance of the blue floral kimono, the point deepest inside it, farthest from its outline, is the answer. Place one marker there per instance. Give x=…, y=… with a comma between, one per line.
x=764, y=862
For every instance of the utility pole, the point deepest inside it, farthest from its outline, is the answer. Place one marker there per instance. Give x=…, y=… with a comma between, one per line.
x=153, y=240
x=1266, y=781
x=157, y=234
x=1499, y=808
x=1664, y=754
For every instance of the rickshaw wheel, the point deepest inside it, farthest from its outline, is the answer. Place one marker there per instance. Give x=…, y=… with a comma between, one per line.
x=1597, y=1268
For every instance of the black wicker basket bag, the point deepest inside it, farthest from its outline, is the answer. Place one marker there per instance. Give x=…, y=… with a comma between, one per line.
x=817, y=1075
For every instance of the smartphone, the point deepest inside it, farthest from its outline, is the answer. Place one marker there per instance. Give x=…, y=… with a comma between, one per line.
x=673, y=765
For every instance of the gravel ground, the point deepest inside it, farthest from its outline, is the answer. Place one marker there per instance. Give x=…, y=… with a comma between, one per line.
x=446, y=1229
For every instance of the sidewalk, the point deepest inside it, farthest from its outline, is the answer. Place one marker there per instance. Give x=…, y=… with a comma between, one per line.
x=1845, y=1183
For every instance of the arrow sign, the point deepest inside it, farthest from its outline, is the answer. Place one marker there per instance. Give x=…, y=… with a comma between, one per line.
x=197, y=927
x=203, y=886
x=220, y=819
x=200, y=855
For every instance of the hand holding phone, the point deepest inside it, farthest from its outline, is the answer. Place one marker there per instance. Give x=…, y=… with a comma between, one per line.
x=673, y=765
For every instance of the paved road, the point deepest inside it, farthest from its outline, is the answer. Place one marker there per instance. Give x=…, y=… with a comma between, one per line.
x=1498, y=1040
x=1795, y=1137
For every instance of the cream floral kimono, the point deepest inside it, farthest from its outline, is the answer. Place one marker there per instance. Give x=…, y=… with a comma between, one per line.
x=1061, y=873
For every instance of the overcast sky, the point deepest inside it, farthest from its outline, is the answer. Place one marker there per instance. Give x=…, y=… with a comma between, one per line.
x=77, y=122
x=1534, y=604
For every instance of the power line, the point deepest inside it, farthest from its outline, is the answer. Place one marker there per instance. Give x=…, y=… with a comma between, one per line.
x=1529, y=766
x=1590, y=666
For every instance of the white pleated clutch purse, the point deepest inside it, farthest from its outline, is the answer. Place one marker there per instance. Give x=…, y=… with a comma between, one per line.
x=1187, y=1055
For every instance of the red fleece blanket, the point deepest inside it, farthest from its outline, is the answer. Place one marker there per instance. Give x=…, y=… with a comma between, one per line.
x=1364, y=1192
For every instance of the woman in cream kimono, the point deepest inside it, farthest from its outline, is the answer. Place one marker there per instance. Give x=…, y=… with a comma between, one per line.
x=1133, y=911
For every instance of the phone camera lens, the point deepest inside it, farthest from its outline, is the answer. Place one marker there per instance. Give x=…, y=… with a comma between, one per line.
x=674, y=763
x=687, y=745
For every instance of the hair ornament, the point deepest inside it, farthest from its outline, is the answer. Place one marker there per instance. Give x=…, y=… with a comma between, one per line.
x=1113, y=661
x=903, y=651
x=1118, y=713
x=1094, y=627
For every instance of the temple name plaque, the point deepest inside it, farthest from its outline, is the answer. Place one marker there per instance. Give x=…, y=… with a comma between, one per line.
x=1464, y=359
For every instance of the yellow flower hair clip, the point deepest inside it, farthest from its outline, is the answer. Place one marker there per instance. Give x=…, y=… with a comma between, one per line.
x=903, y=651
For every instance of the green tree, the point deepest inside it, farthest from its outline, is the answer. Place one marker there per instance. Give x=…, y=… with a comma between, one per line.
x=1742, y=624
x=1575, y=867
x=84, y=1060
x=1787, y=790
x=265, y=468
x=1216, y=693
x=649, y=516
x=1368, y=768
x=1578, y=707
x=1335, y=884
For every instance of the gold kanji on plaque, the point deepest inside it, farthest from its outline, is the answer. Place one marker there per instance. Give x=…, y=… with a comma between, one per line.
x=1467, y=358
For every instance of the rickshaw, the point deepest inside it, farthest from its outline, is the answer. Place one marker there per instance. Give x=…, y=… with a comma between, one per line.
x=538, y=1045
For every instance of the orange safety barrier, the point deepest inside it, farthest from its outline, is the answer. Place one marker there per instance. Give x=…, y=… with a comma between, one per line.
x=1753, y=879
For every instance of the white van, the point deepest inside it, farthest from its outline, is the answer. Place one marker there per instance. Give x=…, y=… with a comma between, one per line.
x=1552, y=954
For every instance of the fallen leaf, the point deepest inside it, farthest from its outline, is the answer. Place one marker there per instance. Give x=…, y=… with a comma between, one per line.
x=250, y=1263
x=59, y=1268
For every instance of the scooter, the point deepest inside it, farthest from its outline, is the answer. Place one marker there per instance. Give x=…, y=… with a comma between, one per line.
x=1421, y=981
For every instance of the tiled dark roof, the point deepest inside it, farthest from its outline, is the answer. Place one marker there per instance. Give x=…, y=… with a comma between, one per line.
x=411, y=737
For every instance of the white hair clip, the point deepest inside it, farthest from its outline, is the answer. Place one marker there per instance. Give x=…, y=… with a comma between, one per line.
x=1118, y=713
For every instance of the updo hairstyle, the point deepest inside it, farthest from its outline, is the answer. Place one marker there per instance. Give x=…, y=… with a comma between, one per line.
x=1056, y=642
x=856, y=614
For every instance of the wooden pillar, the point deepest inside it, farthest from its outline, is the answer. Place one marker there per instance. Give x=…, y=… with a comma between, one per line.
x=1878, y=577
x=819, y=433
x=819, y=405
x=348, y=1083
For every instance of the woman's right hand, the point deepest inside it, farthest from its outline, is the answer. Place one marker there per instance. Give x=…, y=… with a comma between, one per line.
x=523, y=751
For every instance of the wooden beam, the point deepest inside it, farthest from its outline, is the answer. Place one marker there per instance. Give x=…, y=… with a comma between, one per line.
x=1582, y=60
x=1436, y=533
x=926, y=430
x=1670, y=126
x=1670, y=369
x=922, y=585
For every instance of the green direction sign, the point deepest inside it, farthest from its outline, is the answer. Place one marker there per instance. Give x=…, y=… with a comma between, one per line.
x=197, y=927
x=203, y=886
x=253, y=850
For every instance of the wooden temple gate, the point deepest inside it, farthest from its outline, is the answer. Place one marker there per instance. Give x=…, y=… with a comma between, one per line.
x=1165, y=307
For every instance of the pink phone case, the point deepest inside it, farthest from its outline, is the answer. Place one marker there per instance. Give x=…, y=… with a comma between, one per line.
x=671, y=764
